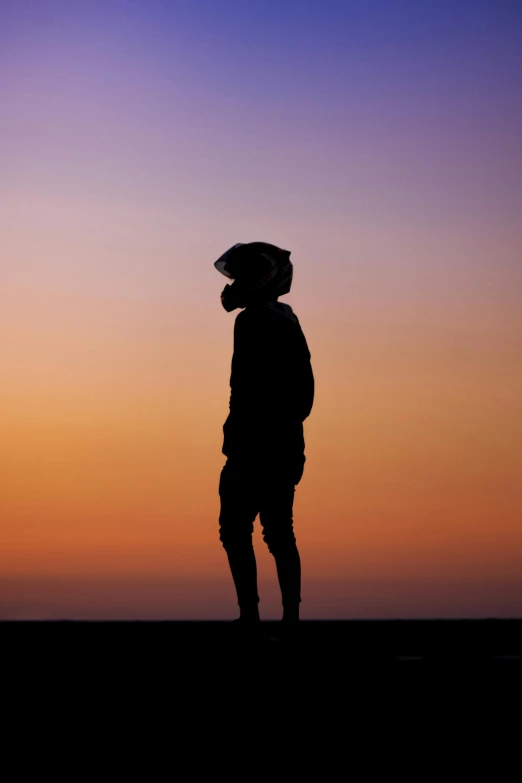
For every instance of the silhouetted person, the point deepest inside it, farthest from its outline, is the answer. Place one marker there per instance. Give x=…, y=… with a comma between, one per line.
x=272, y=391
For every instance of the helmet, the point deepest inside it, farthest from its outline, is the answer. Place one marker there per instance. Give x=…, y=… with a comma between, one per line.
x=259, y=271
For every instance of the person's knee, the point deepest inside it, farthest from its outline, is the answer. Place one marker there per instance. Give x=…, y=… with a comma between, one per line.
x=280, y=539
x=234, y=539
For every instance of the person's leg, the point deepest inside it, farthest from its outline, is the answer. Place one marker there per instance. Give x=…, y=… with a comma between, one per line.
x=276, y=514
x=236, y=523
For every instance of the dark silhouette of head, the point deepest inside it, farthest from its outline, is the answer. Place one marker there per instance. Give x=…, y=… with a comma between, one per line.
x=261, y=272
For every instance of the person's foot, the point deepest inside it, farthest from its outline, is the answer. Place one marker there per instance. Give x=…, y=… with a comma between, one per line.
x=249, y=613
x=291, y=613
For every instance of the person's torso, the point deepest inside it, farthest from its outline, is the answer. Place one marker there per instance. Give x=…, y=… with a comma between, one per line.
x=271, y=380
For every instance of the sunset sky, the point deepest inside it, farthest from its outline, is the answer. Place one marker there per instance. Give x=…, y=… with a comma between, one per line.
x=380, y=142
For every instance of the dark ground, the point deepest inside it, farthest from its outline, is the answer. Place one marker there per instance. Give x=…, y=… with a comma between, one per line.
x=337, y=643
x=330, y=692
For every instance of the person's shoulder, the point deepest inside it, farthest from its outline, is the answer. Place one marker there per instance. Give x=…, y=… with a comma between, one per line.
x=245, y=321
x=276, y=317
x=254, y=313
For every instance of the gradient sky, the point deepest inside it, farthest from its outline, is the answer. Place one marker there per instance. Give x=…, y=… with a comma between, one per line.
x=379, y=141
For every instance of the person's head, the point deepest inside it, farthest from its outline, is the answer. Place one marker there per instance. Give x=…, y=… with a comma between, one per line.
x=261, y=272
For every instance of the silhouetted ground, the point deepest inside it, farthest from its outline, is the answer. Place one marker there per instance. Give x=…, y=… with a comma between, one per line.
x=336, y=643
x=337, y=685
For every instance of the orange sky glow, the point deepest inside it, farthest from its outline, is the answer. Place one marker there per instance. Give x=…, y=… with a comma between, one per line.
x=124, y=183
